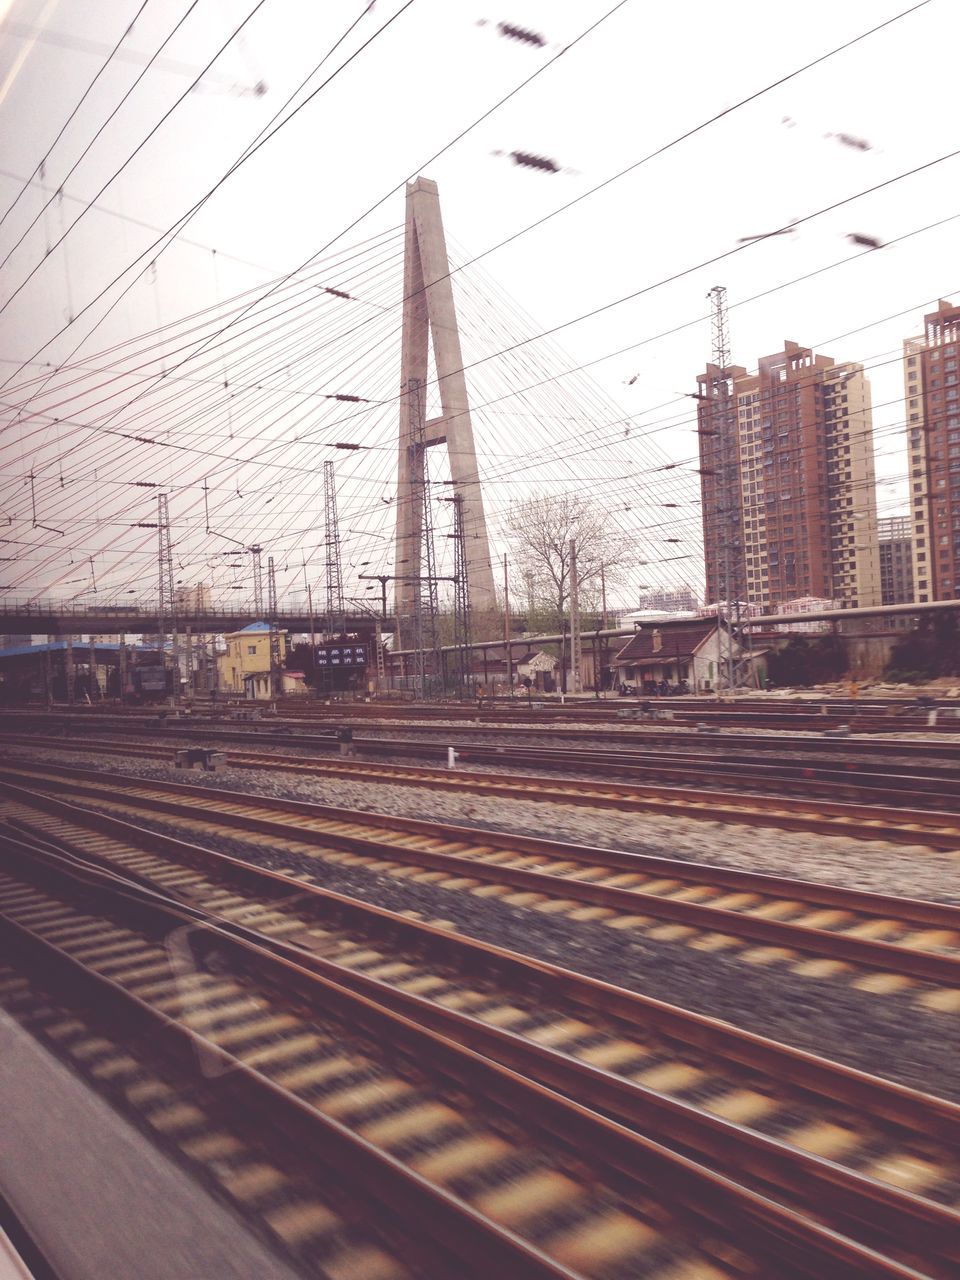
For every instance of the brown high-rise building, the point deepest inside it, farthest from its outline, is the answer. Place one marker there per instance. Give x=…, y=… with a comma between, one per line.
x=931, y=386
x=800, y=496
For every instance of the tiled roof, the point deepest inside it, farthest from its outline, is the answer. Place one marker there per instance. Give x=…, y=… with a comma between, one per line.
x=678, y=639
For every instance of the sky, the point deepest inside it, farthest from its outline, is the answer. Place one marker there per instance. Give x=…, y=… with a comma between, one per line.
x=208, y=377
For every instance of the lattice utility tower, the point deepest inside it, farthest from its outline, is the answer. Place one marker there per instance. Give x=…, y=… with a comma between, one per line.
x=423, y=575
x=335, y=620
x=734, y=663
x=168, y=600
x=429, y=315
x=461, y=598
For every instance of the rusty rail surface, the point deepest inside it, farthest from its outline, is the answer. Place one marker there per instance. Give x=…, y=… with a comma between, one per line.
x=780, y=1240
x=371, y=833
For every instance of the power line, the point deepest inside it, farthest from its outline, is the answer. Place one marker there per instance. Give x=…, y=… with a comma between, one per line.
x=137, y=149
x=66, y=124
x=249, y=151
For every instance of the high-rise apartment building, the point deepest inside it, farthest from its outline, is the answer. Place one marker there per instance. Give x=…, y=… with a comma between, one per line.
x=679, y=599
x=896, y=559
x=193, y=599
x=799, y=494
x=932, y=396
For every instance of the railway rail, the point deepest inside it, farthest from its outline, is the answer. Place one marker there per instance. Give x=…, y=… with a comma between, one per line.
x=900, y=782
x=549, y=1042
x=828, y=713
x=664, y=738
x=823, y=807
x=747, y=915
x=305, y=1218
x=495, y=1169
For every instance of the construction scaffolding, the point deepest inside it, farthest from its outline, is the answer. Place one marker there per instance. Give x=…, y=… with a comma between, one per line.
x=733, y=639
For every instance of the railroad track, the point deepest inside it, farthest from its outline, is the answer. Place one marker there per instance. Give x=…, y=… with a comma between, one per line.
x=935, y=827
x=872, y=940
x=307, y=1215
x=494, y=1169
x=617, y=737
x=822, y=713
x=604, y=1046
x=901, y=784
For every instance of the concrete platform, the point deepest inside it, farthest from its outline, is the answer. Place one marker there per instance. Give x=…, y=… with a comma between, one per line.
x=95, y=1195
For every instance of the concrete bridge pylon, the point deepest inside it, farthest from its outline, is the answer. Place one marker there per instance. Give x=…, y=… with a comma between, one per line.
x=429, y=315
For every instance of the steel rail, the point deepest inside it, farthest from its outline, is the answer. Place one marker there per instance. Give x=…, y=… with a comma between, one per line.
x=847, y=1200
x=238, y=811
x=761, y=1225
x=603, y=1139
x=614, y=732
x=847, y=783
x=936, y=828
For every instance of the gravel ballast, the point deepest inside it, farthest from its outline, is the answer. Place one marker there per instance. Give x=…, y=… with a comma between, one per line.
x=888, y=1034
x=873, y=865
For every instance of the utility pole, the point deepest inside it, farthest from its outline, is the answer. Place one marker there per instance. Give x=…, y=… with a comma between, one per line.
x=381, y=672
x=335, y=620
x=122, y=667
x=70, y=672
x=188, y=655
x=575, y=649
x=603, y=598
x=255, y=553
x=313, y=621
x=94, y=684
x=506, y=626
x=168, y=601
x=383, y=579
x=48, y=673
x=276, y=682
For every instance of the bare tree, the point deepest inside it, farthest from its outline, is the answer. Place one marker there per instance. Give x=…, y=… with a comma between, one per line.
x=540, y=529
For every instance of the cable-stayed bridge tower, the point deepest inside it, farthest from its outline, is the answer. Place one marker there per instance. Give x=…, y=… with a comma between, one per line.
x=429, y=315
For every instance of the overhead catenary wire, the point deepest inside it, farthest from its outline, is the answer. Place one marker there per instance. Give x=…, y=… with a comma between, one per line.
x=265, y=135
x=38, y=169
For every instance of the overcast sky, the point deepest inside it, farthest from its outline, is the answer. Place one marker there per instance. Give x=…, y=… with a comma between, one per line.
x=643, y=77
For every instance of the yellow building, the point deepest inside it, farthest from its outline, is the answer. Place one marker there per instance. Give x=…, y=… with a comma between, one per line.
x=245, y=667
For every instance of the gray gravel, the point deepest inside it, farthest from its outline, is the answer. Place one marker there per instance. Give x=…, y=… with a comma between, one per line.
x=887, y=1034
x=874, y=865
